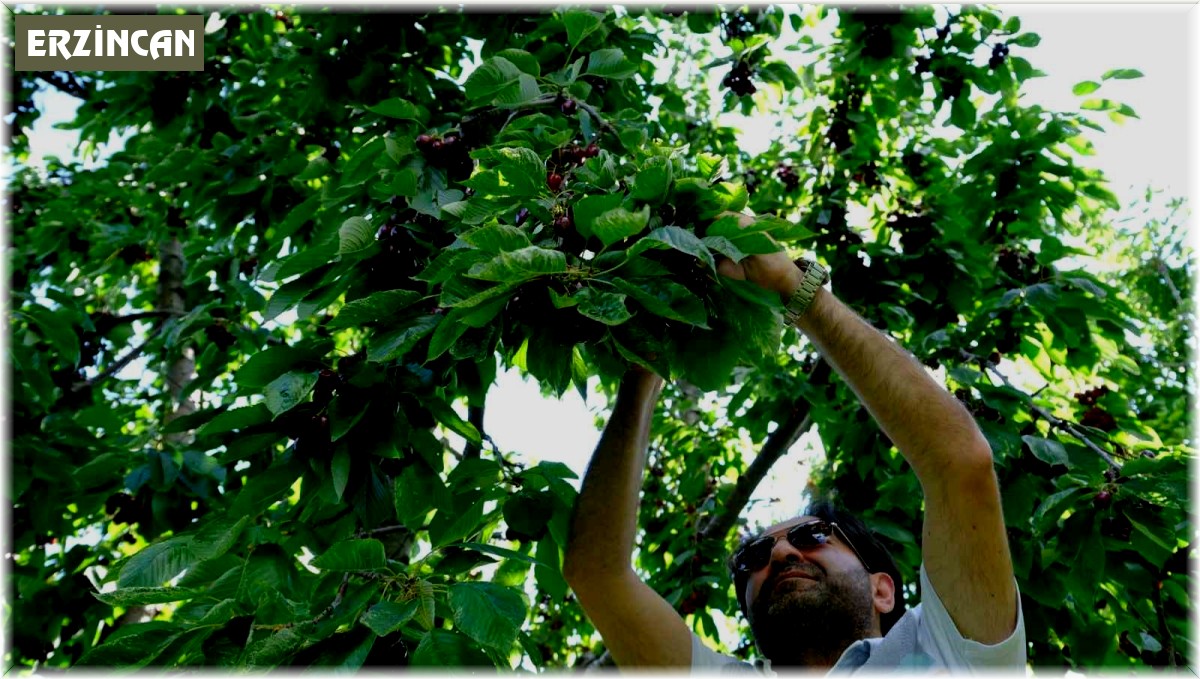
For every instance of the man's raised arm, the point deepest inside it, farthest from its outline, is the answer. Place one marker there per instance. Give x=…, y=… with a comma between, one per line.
x=639, y=628
x=965, y=547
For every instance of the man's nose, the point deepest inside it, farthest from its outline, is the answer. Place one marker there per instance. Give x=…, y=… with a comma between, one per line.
x=784, y=552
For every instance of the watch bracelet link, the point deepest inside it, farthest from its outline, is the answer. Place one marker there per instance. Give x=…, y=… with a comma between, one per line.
x=815, y=276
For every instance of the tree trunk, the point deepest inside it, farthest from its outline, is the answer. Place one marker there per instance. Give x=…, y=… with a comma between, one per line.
x=181, y=367
x=775, y=447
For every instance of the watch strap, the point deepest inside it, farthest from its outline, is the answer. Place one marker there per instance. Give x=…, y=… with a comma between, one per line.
x=814, y=277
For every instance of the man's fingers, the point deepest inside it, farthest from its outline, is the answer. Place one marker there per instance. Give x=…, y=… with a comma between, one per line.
x=731, y=269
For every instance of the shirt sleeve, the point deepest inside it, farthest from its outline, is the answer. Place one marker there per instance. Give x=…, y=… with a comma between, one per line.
x=707, y=661
x=939, y=634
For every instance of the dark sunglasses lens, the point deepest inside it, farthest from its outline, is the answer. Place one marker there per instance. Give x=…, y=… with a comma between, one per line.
x=754, y=555
x=809, y=535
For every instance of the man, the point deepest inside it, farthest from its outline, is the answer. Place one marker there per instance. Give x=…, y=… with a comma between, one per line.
x=816, y=589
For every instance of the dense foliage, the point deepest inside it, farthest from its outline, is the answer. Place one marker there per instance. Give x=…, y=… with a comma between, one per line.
x=320, y=249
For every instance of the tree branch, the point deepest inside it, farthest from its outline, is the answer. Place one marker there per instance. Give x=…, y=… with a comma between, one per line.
x=1055, y=422
x=475, y=417
x=65, y=83
x=1162, y=270
x=1163, y=630
x=591, y=111
x=605, y=659
x=118, y=365
x=775, y=447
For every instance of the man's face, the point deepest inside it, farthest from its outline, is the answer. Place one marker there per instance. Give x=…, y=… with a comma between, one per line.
x=819, y=599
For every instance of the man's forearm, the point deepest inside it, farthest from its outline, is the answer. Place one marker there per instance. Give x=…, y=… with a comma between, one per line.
x=930, y=427
x=605, y=521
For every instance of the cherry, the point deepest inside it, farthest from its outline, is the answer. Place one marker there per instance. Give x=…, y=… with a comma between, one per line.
x=436, y=145
x=563, y=222
x=568, y=107
x=1103, y=498
x=591, y=151
x=449, y=140
x=554, y=180
x=424, y=141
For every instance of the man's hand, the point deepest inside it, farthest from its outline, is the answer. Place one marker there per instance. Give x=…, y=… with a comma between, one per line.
x=773, y=271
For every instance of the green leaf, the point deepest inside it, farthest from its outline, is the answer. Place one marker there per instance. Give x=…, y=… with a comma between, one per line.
x=492, y=76
x=450, y=419
x=1026, y=40
x=57, y=330
x=443, y=648
x=1122, y=74
x=157, y=563
x=456, y=522
x=396, y=108
x=272, y=650
x=288, y=390
x=522, y=60
x=610, y=63
x=666, y=298
x=549, y=360
x=416, y=491
x=217, y=536
x=525, y=91
x=497, y=238
x=1099, y=105
x=374, y=307
x=653, y=180
x=447, y=332
x=266, y=487
x=132, y=646
x=265, y=366
x=490, y=614
x=396, y=342
x=141, y=596
x=235, y=419
x=523, y=172
x=678, y=238
x=589, y=208
x=1046, y=450
x=619, y=223
x=501, y=552
x=580, y=24
x=606, y=307
x=521, y=265
x=355, y=235
x=1085, y=87
x=386, y=617
x=962, y=112
x=339, y=469
x=353, y=555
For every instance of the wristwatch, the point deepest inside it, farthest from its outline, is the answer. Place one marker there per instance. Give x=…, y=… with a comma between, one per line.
x=814, y=277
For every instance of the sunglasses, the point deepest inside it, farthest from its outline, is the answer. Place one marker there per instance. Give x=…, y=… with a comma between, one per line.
x=756, y=554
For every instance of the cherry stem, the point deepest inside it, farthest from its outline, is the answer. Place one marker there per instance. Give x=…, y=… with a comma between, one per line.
x=1054, y=421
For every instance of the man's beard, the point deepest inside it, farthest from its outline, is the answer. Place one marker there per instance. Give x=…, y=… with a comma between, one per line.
x=797, y=621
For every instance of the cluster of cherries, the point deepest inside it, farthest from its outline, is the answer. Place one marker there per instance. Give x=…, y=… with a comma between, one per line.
x=738, y=80
x=787, y=175
x=565, y=158
x=1091, y=396
x=1095, y=416
x=1019, y=265
x=447, y=152
x=999, y=52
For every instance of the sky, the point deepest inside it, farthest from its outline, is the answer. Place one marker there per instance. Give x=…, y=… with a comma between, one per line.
x=1079, y=42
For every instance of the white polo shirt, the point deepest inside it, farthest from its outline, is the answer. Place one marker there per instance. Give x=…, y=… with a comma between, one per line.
x=923, y=639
